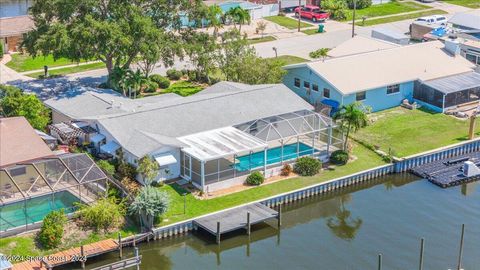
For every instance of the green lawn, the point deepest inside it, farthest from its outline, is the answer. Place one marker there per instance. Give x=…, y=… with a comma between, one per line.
x=70, y=70
x=402, y=17
x=290, y=59
x=386, y=9
x=408, y=132
x=195, y=207
x=24, y=62
x=287, y=22
x=183, y=88
x=465, y=3
x=261, y=39
x=311, y=31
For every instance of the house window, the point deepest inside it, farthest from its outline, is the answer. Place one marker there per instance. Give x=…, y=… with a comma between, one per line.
x=297, y=82
x=315, y=87
x=392, y=89
x=18, y=171
x=306, y=85
x=326, y=92
x=361, y=96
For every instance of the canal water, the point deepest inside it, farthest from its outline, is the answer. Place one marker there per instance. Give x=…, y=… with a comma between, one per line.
x=341, y=230
x=12, y=8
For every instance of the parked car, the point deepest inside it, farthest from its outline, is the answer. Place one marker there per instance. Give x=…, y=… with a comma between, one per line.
x=313, y=13
x=434, y=19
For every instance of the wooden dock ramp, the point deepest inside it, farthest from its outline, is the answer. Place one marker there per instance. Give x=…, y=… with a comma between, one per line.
x=237, y=218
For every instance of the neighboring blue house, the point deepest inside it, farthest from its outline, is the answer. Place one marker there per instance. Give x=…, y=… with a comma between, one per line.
x=382, y=79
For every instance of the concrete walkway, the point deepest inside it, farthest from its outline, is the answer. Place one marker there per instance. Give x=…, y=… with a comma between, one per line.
x=59, y=67
x=9, y=75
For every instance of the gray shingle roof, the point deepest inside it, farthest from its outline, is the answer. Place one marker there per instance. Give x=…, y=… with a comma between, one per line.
x=146, y=124
x=164, y=121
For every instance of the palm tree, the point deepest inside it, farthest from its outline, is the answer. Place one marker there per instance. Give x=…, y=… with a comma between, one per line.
x=343, y=226
x=214, y=17
x=352, y=117
x=238, y=15
x=135, y=80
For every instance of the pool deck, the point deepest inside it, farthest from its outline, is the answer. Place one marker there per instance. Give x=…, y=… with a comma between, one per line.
x=447, y=172
x=234, y=219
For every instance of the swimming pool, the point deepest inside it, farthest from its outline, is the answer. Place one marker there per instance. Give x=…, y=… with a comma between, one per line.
x=229, y=5
x=274, y=155
x=13, y=215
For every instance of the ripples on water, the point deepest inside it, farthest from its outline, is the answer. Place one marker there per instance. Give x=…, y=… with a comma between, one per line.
x=341, y=230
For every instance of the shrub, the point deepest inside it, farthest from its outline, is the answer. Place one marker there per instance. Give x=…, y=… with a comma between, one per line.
x=336, y=8
x=127, y=170
x=286, y=170
x=1, y=50
x=339, y=157
x=360, y=4
x=106, y=166
x=255, y=179
x=174, y=74
x=307, y=166
x=150, y=87
x=51, y=232
x=149, y=204
x=106, y=213
x=162, y=82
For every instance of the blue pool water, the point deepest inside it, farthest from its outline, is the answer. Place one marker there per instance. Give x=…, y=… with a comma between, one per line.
x=229, y=5
x=274, y=155
x=13, y=215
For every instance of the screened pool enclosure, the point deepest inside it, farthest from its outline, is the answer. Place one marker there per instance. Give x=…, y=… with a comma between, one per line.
x=29, y=191
x=231, y=153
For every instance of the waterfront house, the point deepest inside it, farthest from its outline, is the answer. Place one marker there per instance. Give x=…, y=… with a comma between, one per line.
x=384, y=78
x=214, y=138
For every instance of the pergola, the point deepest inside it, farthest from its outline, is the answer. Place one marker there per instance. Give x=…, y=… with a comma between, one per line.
x=259, y=144
x=25, y=188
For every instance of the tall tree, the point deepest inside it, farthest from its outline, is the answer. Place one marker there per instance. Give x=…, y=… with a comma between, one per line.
x=112, y=31
x=200, y=48
x=214, y=17
x=352, y=117
x=239, y=16
x=13, y=102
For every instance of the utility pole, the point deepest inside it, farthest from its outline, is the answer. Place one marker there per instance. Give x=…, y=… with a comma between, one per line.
x=299, y=13
x=353, y=17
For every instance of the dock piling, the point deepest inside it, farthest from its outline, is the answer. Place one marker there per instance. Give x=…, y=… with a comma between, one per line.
x=422, y=249
x=218, y=232
x=120, y=251
x=460, y=253
x=137, y=257
x=279, y=217
x=380, y=261
x=248, y=223
x=82, y=254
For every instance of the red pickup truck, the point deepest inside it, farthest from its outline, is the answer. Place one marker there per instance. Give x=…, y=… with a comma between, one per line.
x=313, y=13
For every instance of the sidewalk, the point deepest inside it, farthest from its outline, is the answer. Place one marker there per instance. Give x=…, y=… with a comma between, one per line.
x=9, y=75
x=59, y=67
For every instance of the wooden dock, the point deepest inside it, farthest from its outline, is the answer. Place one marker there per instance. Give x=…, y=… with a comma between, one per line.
x=238, y=218
x=69, y=256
